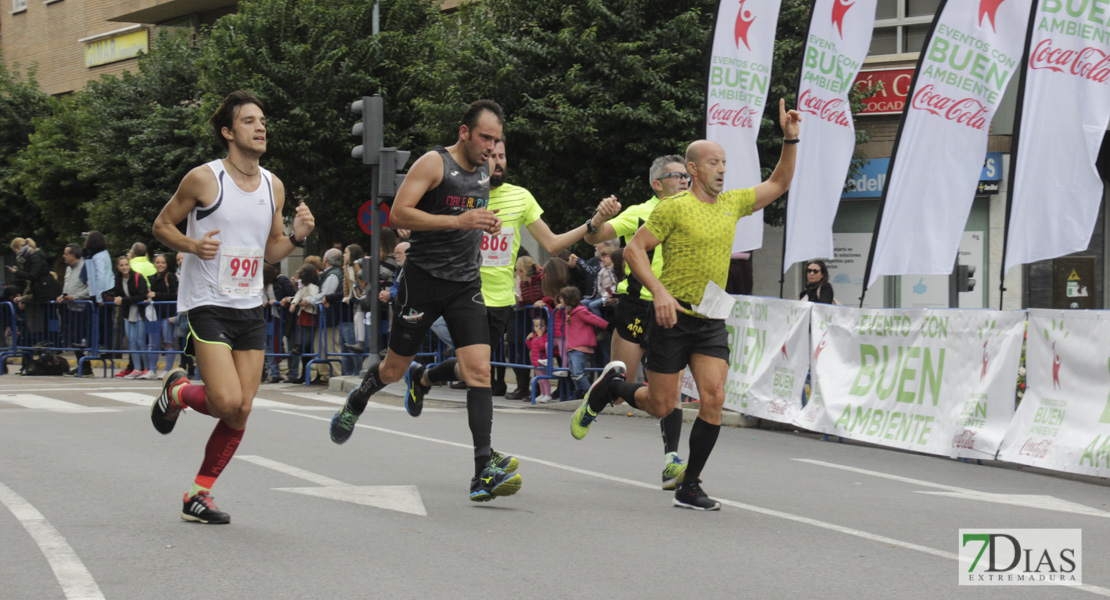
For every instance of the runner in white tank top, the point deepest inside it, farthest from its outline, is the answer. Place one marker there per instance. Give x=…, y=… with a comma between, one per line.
x=234, y=210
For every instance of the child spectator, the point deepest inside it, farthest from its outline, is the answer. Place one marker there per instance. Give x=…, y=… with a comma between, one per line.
x=605, y=285
x=537, y=346
x=556, y=276
x=581, y=330
x=306, y=319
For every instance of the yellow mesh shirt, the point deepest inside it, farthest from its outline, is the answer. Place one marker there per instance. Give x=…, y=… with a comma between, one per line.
x=697, y=239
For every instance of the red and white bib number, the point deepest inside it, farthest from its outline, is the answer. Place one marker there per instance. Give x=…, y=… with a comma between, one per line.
x=497, y=250
x=240, y=271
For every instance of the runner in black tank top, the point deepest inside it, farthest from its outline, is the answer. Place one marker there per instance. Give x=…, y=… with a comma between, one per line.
x=443, y=201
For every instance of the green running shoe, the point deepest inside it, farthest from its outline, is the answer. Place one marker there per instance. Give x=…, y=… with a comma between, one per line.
x=673, y=471
x=504, y=462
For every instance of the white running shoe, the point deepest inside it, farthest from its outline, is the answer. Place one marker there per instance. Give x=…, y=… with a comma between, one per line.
x=148, y=374
x=543, y=399
x=135, y=374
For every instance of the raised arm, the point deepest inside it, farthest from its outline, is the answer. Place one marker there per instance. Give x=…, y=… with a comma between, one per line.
x=779, y=181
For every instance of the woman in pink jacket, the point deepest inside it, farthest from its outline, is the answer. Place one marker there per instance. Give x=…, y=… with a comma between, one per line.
x=581, y=331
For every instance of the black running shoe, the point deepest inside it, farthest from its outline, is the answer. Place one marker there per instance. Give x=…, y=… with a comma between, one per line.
x=504, y=462
x=494, y=482
x=689, y=494
x=414, y=392
x=343, y=423
x=201, y=509
x=163, y=413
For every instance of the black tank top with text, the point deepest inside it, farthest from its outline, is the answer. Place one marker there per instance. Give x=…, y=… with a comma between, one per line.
x=451, y=254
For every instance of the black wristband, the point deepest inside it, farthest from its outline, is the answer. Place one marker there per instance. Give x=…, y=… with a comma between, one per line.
x=293, y=240
x=793, y=141
x=590, y=229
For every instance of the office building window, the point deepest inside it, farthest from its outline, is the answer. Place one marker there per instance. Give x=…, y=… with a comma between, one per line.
x=901, y=26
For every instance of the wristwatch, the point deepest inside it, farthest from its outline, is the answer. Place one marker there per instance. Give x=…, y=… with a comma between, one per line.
x=293, y=240
x=590, y=229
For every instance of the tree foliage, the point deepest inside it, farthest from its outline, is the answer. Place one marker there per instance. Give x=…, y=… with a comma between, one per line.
x=593, y=90
x=21, y=103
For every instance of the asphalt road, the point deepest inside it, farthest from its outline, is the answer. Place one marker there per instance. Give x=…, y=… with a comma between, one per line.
x=90, y=497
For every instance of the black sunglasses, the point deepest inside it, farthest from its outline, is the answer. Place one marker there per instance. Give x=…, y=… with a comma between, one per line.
x=674, y=174
x=813, y=270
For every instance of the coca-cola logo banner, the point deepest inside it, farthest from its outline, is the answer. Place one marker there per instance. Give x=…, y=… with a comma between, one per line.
x=1063, y=422
x=1064, y=119
x=838, y=39
x=964, y=69
x=739, y=80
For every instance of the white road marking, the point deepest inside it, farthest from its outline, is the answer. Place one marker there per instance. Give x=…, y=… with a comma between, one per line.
x=1027, y=500
x=748, y=507
x=50, y=404
x=76, y=581
x=73, y=388
x=401, y=498
x=341, y=400
x=127, y=397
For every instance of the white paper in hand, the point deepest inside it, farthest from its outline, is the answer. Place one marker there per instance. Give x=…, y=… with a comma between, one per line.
x=715, y=303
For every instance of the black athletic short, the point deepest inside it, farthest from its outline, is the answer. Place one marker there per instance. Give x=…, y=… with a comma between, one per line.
x=670, y=349
x=632, y=319
x=421, y=299
x=236, y=328
x=498, y=318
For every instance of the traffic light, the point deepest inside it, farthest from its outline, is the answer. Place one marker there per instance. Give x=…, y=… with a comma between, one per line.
x=369, y=129
x=392, y=161
x=965, y=278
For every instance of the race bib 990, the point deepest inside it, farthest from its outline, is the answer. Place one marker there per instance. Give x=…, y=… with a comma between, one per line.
x=497, y=250
x=240, y=271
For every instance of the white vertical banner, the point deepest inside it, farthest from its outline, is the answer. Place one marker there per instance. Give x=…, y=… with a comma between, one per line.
x=935, y=381
x=839, y=37
x=975, y=49
x=1063, y=422
x=739, y=79
x=1057, y=188
x=768, y=358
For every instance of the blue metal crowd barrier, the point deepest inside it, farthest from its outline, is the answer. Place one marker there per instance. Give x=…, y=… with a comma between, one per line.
x=100, y=333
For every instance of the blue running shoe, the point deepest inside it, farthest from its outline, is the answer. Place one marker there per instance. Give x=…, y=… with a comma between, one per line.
x=343, y=424
x=414, y=392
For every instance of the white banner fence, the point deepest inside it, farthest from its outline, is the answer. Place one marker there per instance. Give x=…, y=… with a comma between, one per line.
x=940, y=382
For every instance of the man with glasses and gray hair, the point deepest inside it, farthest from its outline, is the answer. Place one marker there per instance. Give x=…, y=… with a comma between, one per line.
x=667, y=177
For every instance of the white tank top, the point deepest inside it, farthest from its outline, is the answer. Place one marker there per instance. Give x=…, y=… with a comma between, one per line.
x=234, y=278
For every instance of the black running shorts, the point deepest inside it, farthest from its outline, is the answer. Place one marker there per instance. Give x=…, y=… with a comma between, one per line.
x=421, y=299
x=632, y=318
x=670, y=349
x=236, y=328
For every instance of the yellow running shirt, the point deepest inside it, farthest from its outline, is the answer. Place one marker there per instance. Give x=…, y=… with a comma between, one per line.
x=626, y=225
x=697, y=239
x=516, y=207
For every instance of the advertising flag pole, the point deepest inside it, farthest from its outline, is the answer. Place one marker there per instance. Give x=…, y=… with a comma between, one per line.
x=1015, y=147
x=894, y=153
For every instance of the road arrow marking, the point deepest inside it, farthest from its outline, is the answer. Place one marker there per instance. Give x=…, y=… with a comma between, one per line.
x=1026, y=500
x=401, y=498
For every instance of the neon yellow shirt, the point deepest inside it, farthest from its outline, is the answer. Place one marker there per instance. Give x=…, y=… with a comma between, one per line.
x=697, y=239
x=625, y=225
x=516, y=207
